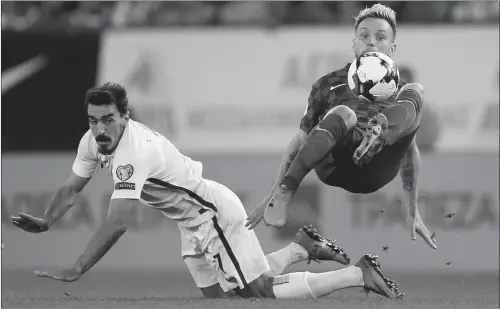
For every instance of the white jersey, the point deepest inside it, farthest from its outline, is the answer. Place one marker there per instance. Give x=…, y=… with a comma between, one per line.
x=147, y=166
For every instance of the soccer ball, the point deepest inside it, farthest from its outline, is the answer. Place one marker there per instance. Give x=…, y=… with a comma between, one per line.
x=373, y=76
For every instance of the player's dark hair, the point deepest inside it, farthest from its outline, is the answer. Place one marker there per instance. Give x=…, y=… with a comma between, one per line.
x=107, y=94
x=377, y=11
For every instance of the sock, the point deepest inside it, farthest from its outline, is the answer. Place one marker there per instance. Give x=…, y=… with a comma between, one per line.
x=314, y=285
x=289, y=255
x=403, y=114
x=316, y=147
x=293, y=285
x=322, y=284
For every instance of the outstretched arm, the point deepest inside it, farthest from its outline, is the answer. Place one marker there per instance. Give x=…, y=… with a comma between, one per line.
x=290, y=153
x=315, y=107
x=62, y=201
x=410, y=167
x=107, y=234
x=103, y=239
x=286, y=161
x=65, y=198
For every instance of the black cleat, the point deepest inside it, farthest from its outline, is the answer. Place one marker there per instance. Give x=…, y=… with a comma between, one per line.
x=319, y=248
x=375, y=281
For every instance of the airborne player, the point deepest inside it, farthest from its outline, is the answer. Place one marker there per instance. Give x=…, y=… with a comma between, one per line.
x=354, y=144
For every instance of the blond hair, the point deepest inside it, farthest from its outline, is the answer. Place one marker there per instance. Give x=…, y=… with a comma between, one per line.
x=377, y=11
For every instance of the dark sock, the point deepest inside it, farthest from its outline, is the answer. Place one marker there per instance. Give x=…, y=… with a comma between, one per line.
x=399, y=120
x=316, y=147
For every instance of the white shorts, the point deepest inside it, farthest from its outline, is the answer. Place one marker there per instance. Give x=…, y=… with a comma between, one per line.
x=223, y=250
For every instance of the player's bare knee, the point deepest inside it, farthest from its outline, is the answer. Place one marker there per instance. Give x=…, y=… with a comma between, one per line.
x=347, y=114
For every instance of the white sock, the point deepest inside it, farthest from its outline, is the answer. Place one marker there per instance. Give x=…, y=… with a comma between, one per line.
x=322, y=284
x=293, y=285
x=281, y=259
x=307, y=285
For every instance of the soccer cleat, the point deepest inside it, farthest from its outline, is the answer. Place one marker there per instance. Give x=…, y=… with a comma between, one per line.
x=375, y=281
x=373, y=140
x=319, y=248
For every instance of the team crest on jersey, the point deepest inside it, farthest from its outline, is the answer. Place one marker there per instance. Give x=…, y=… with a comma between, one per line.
x=124, y=173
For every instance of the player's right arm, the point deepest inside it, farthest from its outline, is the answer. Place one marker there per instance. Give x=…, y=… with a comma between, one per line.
x=315, y=107
x=65, y=197
x=83, y=167
x=289, y=155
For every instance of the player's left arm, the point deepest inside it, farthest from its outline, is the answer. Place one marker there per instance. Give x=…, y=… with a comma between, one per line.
x=103, y=239
x=411, y=98
x=409, y=170
x=130, y=171
x=107, y=234
x=410, y=167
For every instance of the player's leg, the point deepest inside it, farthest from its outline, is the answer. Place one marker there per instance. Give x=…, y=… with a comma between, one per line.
x=411, y=96
x=235, y=253
x=306, y=245
x=201, y=270
x=393, y=124
x=239, y=263
x=334, y=127
x=215, y=291
x=331, y=131
x=366, y=273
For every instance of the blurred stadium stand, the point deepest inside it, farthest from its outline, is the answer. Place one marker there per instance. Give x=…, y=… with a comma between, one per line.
x=95, y=15
x=60, y=21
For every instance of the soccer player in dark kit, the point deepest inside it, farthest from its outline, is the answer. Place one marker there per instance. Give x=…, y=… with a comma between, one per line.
x=352, y=143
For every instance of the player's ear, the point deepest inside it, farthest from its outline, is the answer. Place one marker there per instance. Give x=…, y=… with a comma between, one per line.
x=392, y=50
x=126, y=118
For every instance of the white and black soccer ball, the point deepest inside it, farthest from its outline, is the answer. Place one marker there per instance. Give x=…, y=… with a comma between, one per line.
x=373, y=76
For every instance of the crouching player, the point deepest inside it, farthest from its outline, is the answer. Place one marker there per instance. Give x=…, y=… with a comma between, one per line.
x=223, y=256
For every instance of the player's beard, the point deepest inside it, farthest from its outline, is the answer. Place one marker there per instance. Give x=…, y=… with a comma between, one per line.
x=109, y=147
x=106, y=149
x=104, y=144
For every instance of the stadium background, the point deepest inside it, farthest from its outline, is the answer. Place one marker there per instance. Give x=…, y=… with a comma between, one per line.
x=227, y=82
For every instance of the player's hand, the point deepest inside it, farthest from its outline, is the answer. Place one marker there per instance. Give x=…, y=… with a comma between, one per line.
x=67, y=275
x=275, y=214
x=257, y=214
x=30, y=223
x=418, y=227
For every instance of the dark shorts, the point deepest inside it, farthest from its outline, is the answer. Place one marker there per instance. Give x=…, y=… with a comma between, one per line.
x=340, y=171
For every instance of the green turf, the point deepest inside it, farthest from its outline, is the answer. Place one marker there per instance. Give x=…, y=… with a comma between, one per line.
x=157, y=289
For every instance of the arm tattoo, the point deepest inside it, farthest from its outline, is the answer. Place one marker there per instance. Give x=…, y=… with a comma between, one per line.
x=291, y=157
x=408, y=175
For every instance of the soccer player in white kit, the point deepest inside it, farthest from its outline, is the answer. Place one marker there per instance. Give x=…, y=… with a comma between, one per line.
x=223, y=256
